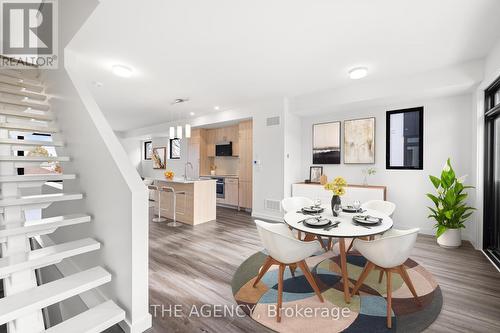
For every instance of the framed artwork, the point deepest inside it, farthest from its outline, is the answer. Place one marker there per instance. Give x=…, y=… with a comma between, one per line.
x=148, y=149
x=326, y=143
x=405, y=139
x=175, y=149
x=159, y=157
x=315, y=173
x=359, y=141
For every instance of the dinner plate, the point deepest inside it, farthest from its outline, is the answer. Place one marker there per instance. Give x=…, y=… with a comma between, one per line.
x=350, y=209
x=367, y=219
x=312, y=210
x=316, y=223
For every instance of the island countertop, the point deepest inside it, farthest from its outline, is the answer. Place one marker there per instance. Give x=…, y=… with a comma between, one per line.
x=195, y=199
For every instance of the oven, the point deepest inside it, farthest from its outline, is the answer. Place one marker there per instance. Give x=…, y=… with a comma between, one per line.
x=219, y=184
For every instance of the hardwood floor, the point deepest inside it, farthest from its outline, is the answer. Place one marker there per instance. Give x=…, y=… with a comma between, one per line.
x=194, y=266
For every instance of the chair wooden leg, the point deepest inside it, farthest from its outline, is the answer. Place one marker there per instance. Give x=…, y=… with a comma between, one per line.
x=309, y=237
x=350, y=245
x=330, y=243
x=380, y=276
x=389, y=298
x=407, y=280
x=307, y=273
x=366, y=270
x=343, y=264
x=265, y=267
x=280, y=291
x=300, y=235
x=320, y=240
x=292, y=268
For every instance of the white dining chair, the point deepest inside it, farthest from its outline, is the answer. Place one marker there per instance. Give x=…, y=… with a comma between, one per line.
x=388, y=255
x=385, y=207
x=293, y=204
x=285, y=250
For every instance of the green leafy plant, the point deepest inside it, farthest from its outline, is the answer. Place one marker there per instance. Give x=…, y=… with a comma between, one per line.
x=451, y=210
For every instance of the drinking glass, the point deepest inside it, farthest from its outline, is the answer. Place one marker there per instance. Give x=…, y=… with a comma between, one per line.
x=356, y=204
x=317, y=202
x=336, y=209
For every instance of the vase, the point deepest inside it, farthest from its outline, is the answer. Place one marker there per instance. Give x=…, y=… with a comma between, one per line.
x=335, y=201
x=451, y=238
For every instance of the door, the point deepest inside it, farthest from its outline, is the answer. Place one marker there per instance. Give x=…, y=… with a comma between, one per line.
x=491, y=226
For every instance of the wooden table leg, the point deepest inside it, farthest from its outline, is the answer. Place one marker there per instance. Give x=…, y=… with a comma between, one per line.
x=343, y=264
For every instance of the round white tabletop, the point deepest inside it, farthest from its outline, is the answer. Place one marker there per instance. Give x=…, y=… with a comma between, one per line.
x=346, y=227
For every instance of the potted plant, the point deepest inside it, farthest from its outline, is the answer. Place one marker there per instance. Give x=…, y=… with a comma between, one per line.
x=451, y=210
x=337, y=186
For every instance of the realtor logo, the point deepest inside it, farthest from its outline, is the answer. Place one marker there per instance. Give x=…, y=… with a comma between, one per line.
x=29, y=33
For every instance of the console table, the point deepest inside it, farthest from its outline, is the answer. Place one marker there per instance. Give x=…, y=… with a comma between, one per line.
x=362, y=193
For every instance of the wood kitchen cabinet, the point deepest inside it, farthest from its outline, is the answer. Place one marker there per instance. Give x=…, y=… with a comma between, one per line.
x=231, y=189
x=245, y=194
x=246, y=164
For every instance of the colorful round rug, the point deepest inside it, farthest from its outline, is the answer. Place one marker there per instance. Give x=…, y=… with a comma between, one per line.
x=366, y=312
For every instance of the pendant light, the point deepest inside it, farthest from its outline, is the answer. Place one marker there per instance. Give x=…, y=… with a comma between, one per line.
x=179, y=132
x=172, y=132
x=187, y=130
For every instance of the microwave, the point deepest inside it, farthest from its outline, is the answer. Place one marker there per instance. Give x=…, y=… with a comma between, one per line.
x=224, y=149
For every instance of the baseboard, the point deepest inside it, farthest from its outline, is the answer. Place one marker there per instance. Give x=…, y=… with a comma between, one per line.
x=267, y=217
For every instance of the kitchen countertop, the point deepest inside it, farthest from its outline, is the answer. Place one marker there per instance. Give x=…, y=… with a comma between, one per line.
x=220, y=176
x=181, y=180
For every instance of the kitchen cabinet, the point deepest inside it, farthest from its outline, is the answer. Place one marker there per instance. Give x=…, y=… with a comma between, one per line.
x=231, y=189
x=245, y=194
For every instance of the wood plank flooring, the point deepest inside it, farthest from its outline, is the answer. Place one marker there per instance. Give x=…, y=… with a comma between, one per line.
x=194, y=266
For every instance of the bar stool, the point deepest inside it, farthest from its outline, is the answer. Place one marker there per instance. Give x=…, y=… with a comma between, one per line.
x=174, y=206
x=159, y=218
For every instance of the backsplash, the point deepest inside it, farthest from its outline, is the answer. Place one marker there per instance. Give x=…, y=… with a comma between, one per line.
x=226, y=165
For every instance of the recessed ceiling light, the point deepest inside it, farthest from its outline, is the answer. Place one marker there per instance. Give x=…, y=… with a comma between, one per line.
x=191, y=114
x=358, y=73
x=122, y=71
x=216, y=107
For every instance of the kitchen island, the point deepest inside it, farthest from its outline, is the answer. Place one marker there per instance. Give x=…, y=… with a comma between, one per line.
x=195, y=204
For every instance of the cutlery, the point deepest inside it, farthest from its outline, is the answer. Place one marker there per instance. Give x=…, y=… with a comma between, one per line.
x=335, y=225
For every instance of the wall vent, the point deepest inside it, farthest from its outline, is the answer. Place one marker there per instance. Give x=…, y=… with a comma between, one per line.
x=273, y=205
x=273, y=121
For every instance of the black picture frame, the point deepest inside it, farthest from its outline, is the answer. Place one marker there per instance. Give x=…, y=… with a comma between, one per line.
x=175, y=149
x=148, y=144
x=420, y=166
x=311, y=171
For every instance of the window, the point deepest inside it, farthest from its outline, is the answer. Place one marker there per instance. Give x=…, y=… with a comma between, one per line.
x=404, y=139
x=148, y=150
x=175, y=149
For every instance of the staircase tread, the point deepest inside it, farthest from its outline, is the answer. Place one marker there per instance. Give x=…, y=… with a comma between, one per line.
x=31, y=142
x=45, y=256
x=25, y=114
x=29, y=127
x=39, y=198
x=34, y=158
x=27, y=103
x=16, y=90
x=37, y=177
x=95, y=319
x=34, y=226
x=33, y=299
x=17, y=82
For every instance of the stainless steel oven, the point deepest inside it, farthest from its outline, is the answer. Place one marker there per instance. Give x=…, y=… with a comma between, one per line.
x=219, y=183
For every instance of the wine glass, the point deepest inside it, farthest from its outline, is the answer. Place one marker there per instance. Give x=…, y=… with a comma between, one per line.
x=356, y=204
x=317, y=202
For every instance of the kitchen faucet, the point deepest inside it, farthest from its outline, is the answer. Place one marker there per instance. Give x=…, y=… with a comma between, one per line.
x=185, y=170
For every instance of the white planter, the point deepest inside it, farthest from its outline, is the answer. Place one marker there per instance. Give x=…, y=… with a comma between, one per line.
x=451, y=238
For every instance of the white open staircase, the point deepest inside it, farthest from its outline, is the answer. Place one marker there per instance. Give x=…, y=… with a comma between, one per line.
x=25, y=110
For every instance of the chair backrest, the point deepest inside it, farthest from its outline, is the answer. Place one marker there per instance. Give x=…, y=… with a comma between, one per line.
x=390, y=250
x=279, y=242
x=148, y=181
x=385, y=207
x=295, y=203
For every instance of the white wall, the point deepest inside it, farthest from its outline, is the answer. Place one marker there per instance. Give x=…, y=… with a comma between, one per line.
x=177, y=166
x=115, y=196
x=133, y=148
x=292, y=159
x=447, y=133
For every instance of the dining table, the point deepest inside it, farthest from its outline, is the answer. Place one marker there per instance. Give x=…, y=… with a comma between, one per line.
x=346, y=228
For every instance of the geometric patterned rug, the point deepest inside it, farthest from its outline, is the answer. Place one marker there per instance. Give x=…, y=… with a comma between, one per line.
x=303, y=312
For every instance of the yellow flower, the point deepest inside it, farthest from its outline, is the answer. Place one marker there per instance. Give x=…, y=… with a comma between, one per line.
x=339, y=181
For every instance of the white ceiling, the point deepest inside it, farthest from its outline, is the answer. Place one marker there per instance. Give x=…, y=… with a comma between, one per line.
x=231, y=52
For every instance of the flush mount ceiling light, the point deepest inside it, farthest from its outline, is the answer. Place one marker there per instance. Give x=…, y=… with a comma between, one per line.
x=358, y=73
x=122, y=70
x=216, y=107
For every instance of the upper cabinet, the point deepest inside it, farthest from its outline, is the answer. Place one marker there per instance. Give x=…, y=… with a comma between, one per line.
x=222, y=135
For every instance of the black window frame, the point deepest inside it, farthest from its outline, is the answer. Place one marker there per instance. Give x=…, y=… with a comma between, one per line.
x=388, y=115
x=146, y=150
